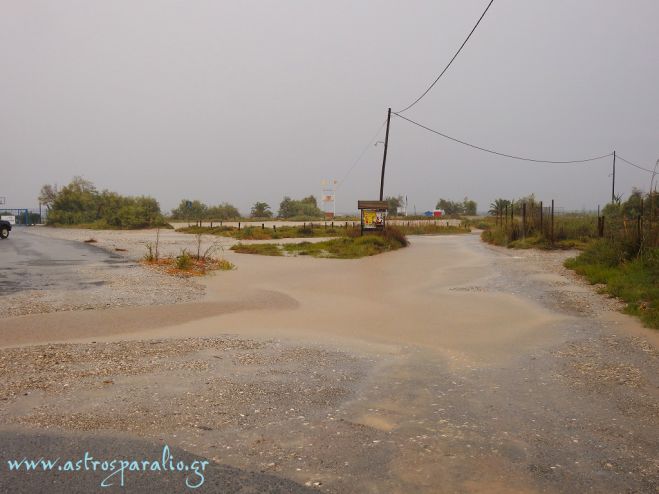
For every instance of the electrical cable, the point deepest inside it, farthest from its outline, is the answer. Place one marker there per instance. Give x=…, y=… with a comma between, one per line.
x=498, y=153
x=370, y=143
x=450, y=62
x=633, y=164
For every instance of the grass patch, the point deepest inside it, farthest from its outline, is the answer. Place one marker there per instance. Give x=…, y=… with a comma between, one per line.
x=316, y=231
x=634, y=280
x=103, y=225
x=431, y=229
x=352, y=247
x=187, y=265
x=269, y=233
x=261, y=249
x=570, y=235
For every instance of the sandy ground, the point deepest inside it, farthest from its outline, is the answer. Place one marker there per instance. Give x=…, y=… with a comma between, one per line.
x=449, y=366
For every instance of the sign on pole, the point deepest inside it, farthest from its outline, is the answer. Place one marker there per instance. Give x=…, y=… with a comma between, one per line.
x=328, y=197
x=373, y=215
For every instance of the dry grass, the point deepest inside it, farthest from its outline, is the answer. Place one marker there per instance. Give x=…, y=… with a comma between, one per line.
x=193, y=267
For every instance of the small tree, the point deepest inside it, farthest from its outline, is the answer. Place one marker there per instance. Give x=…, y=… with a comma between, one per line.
x=190, y=210
x=261, y=210
x=469, y=207
x=308, y=207
x=498, y=207
x=393, y=204
x=450, y=207
x=224, y=211
x=47, y=195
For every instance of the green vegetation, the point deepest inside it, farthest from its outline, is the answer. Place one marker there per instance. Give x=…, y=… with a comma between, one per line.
x=527, y=223
x=186, y=264
x=188, y=210
x=259, y=233
x=430, y=228
x=453, y=208
x=571, y=231
x=311, y=230
x=620, y=247
x=348, y=247
x=261, y=210
x=394, y=203
x=262, y=249
x=480, y=222
x=80, y=204
x=634, y=280
x=306, y=208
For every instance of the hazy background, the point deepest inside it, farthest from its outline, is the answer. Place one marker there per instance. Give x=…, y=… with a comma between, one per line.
x=244, y=101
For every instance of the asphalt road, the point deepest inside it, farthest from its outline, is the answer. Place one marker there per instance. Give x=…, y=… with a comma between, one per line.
x=33, y=262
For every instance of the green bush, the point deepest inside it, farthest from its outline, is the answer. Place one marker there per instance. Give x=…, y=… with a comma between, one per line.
x=80, y=204
x=183, y=261
x=633, y=279
x=394, y=234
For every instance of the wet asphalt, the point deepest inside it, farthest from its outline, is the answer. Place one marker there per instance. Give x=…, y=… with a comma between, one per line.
x=86, y=476
x=33, y=262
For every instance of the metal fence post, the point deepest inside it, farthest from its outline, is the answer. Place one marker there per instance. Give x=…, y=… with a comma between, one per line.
x=552, y=221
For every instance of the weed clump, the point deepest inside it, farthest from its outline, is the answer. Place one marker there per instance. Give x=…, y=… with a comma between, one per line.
x=183, y=261
x=632, y=278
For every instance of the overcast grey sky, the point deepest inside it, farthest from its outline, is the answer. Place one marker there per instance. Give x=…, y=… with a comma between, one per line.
x=253, y=100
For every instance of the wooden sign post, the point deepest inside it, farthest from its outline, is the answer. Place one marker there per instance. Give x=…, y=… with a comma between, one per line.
x=373, y=215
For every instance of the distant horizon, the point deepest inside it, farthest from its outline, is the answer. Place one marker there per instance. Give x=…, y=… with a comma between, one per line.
x=240, y=102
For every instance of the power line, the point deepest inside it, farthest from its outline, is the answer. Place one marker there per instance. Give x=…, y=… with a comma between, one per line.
x=498, y=153
x=451, y=61
x=633, y=164
x=370, y=143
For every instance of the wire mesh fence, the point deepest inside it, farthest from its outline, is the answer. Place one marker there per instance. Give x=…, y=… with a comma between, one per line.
x=634, y=224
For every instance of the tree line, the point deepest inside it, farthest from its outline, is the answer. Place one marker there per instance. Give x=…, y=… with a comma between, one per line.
x=195, y=210
x=81, y=203
x=450, y=208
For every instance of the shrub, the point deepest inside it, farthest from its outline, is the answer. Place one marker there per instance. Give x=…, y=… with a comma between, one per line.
x=394, y=234
x=80, y=203
x=183, y=261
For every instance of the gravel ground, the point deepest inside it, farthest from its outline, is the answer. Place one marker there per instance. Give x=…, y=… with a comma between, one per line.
x=122, y=284
x=131, y=244
x=576, y=414
x=238, y=402
x=562, y=287
x=125, y=286
x=121, y=281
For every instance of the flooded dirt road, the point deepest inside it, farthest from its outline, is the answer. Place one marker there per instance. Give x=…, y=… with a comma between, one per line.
x=449, y=366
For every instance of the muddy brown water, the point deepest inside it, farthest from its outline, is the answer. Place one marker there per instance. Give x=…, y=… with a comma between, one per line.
x=445, y=367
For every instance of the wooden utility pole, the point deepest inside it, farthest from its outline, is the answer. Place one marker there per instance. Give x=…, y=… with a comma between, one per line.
x=384, y=157
x=613, y=182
